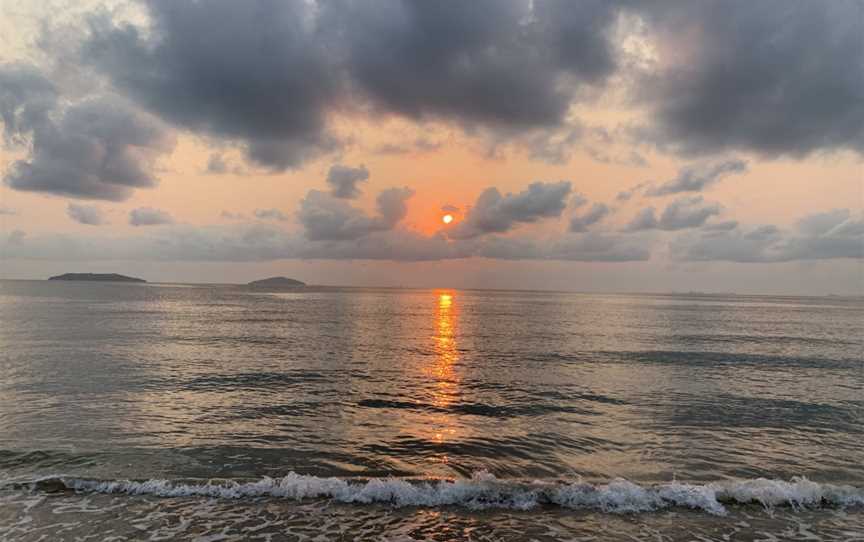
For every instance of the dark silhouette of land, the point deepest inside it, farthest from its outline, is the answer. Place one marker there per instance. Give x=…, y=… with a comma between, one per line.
x=277, y=282
x=96, y=277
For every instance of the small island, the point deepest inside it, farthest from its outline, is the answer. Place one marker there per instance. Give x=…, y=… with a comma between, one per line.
x=96, y=277
x=277, y=282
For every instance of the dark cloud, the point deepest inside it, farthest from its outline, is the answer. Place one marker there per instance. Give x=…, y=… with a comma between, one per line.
x=776, y=77
x=494, y=213
x=343, y=180
x=488, y=61
x=821, y=236
x=327, y=218
x=271, y=214
x=256, y=73
x=85, y=214
x=683, y=213
x=732, y=75
x=99, y=149
x=268, y=74
x=581, y=222
x=697, y=177
x=148, y=216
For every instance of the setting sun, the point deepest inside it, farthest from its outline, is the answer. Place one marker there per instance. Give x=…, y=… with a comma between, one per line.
x=447, y=219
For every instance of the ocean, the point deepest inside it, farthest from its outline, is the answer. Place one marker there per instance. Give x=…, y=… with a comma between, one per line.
x=197, y=412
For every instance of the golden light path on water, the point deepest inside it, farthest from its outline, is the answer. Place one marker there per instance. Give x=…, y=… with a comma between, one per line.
x=442, y=368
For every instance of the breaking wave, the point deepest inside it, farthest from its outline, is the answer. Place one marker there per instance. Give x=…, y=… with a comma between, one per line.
x=485, y=491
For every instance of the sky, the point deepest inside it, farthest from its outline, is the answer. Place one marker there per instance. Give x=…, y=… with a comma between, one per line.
x=580, y=145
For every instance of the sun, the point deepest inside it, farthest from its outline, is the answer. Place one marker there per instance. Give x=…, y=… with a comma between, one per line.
x=447, y=219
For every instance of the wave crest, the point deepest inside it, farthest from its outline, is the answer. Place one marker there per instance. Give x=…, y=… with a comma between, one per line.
x=483, y=491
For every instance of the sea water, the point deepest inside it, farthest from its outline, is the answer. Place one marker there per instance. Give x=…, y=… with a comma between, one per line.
x=165, y=412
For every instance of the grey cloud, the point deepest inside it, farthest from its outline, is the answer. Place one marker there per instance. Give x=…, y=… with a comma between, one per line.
x=7, y=211
x=148, y=216
x=343, y=180
x=687, y=212
x=326, y=218
x=26, y=99
x=257, y=73
x=494, y=213
x=644, y=220
x=99, y=149
x=776, y=77
x=581, y=223
x=85, y=214
x=820, y=236
x=743, y=81
x=271, y=214
x=392, y=205
x=491, y=62
x=683, y=213
x=697, y=177
x=447, y=208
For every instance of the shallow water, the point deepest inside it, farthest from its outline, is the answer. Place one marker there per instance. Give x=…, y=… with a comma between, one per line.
x=420, y=414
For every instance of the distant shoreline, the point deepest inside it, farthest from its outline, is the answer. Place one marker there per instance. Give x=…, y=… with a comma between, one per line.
x=96, y=277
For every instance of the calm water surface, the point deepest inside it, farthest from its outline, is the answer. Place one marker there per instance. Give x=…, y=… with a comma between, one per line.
x=169, y=412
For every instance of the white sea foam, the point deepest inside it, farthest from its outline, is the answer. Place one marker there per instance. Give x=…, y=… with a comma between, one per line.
x=484, y=490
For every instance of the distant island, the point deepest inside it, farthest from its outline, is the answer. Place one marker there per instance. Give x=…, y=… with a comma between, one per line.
x=277, y=282
x=96, y=277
